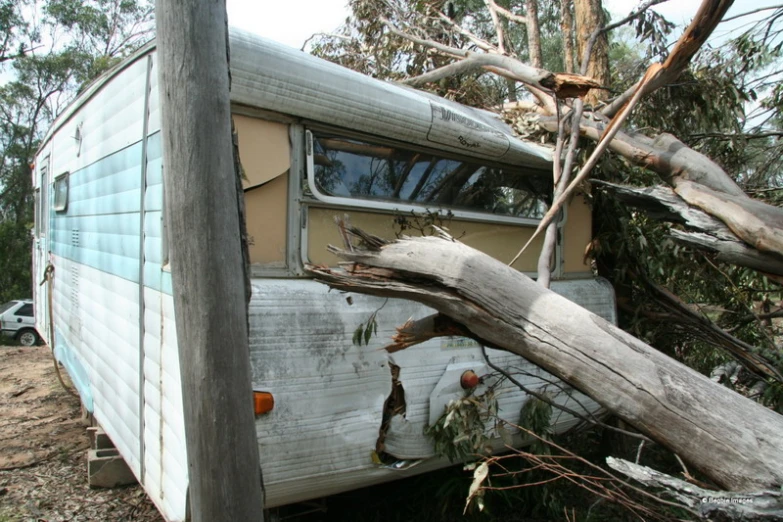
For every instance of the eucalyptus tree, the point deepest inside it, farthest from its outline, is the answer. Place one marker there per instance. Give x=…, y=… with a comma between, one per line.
x=717, y=182
x=50, y=51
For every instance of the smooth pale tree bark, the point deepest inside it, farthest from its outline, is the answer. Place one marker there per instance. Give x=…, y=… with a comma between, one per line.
x=710, y=505
x=731, y=439
x=206, y=258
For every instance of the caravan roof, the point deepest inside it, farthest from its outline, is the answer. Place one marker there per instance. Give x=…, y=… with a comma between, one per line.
x=275, y=77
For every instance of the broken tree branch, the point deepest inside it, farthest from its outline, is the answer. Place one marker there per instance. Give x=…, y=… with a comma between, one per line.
x=701, y=27
x=603, y=143
x=731, y=439
x=711, y=505
x=704, y=231
x=561, y=84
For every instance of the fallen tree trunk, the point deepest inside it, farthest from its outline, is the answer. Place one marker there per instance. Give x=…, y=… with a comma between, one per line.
x=732, y=440
x=712, y=505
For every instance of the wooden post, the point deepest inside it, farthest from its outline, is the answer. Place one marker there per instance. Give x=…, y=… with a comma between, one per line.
x=206, y=259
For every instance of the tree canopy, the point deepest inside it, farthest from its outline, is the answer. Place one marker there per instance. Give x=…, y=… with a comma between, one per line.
x=50, y=50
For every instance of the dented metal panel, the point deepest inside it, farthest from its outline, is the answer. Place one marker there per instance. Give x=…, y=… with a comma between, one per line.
x=330, y=393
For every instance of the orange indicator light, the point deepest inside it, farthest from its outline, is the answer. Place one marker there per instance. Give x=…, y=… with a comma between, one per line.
x=263, y=402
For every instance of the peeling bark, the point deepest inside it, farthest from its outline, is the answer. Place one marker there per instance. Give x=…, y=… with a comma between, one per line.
x=704, y=231
x=758, y=224
x=732, y=440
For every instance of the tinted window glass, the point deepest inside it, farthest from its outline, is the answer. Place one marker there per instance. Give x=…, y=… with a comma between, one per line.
x=6, y=306
x=61, y=193
x=26, y=310
x=351, y=168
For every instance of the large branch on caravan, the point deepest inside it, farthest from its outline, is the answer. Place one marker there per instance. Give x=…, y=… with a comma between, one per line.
x=732, y=440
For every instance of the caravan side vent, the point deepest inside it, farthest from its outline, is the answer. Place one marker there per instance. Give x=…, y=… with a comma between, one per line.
x=74, y=323
x=75, y=237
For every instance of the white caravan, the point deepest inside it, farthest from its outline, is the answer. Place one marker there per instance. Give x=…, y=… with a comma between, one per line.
x=316, y=141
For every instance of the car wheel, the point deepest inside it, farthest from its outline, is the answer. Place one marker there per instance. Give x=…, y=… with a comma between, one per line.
x=27, y=337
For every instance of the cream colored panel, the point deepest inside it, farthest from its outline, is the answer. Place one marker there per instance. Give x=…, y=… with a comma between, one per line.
x=578, y=232
x=263, y=149
x=265, y=209
x=500, y=241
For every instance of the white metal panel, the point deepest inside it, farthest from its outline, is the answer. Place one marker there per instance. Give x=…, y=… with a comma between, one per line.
x=165, y=455
x=329, y=393
x=97, y=313
x=110, y=122
x=154, y=100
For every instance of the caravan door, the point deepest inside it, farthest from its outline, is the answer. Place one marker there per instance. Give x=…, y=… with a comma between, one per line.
x=41, y=250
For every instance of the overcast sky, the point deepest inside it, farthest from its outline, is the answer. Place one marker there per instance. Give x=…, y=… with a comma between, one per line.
x=294, y=21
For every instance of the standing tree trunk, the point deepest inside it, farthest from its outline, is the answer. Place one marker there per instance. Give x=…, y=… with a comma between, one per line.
x=533, y=33
x=206, y=258
x=567, y=26
x=589, y=16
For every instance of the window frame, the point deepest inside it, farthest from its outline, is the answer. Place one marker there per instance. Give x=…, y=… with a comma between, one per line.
x=401, y=207
x=37, y=216
x=59, y=181
x=43, y=202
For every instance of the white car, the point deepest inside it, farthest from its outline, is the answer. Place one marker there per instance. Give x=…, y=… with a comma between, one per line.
x=17, y=320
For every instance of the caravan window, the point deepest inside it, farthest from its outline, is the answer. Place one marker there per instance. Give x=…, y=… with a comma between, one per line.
x=349, y=168
x=61, y=192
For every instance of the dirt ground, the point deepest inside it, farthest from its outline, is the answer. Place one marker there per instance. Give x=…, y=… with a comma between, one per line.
x=43, y=450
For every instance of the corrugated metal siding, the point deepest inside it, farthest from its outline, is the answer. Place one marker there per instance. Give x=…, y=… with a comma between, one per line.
x=165, y=464
x=329, y=394
x=166, y=476
x=101, y=226
x=154, y=276
x=110, y=122
x=95, y=250
x=97, y=314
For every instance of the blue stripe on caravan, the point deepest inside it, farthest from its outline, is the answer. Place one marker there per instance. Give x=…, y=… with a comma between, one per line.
x=156, y=278
x=76, y=370
x=166, y=283
x=100, y=226
x=152, y=276
x=125, y=159
x=153, y=199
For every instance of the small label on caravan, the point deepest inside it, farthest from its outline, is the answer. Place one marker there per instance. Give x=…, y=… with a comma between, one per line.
x=450, y=343
x=462, y=131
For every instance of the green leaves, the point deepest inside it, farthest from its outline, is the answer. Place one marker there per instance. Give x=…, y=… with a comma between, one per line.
x=460, y=433
x=90, y=36
x=365, y=331
x=536, y=416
